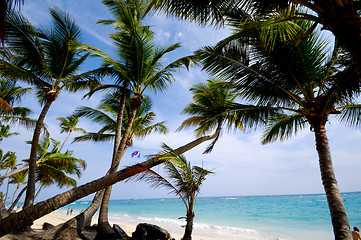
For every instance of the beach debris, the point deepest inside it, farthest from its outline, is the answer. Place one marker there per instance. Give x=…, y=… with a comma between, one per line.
x=136, y=154
x=146, y=231
x=120, y=232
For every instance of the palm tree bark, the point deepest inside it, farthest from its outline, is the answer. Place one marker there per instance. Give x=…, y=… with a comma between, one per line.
x=30, y=193
x=189, y=227
x=19, y=220
x=340, y=223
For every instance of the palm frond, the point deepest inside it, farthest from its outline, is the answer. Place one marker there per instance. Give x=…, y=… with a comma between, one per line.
x=282, y=127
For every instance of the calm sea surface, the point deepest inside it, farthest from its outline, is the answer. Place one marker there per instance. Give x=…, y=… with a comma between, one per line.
x=288, y=217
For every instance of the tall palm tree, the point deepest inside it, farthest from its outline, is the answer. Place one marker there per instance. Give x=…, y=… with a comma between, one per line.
x=304, y=84
x=68, y=124
x=45, y=58
x=138, y=68
x=106, y=115
x=342, y=17
x=183, y=179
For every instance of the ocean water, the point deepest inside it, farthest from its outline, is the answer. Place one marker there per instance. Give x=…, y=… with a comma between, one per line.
x=291, y=217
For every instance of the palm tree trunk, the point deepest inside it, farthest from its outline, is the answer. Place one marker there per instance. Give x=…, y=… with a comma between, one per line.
x=3, y=212
x=340, y=223
x=118, y=128
x=30, y=193
x=41, y=187
x=19, y=220
x=17, y=188
x=189, y=227
x=13, y=173
x=62, y=145
x=17, y=199
x=104, y=229
x=91, y=210
x=7, y=190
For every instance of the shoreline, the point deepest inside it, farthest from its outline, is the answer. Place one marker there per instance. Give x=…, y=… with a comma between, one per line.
x=58, y=217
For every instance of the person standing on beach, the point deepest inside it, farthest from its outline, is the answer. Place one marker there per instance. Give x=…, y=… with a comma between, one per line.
x=68, y=211
x=356, y=234
x=71, y=211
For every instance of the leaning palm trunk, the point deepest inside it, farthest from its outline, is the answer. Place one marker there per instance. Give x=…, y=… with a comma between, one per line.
x=17, y=221
x=341, y=227
x=30, y=193
x=90, y=211
x=104, y=228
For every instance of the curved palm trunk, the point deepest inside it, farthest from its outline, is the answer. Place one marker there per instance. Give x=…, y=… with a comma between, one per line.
x=19, y=220
x=340, y=223
x=91, y=210
x=30, y=193
x=189, y=227
x=104, y=229
x=17, y=199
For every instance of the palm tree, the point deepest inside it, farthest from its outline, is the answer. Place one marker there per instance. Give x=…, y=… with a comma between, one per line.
x=45, y=58
x=106, y=115
x=5, y=132
x=342, y=17
x=304, y=84
x=54, y=165
x=18, y=179
x=184, y=180
x=68, y=124
x=8, y=162
x=137, y=69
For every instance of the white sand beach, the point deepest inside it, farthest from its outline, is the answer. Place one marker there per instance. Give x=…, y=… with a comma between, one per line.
x=56, y=218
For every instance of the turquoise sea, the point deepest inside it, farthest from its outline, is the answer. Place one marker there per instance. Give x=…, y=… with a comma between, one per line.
x=288, y=217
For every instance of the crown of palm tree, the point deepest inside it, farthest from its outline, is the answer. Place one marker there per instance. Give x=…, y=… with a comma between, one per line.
x=106, y=116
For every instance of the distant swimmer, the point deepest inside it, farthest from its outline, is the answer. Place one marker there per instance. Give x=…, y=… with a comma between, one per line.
x=356, y=234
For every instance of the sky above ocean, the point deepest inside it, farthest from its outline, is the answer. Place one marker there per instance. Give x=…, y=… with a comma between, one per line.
x=241, y=164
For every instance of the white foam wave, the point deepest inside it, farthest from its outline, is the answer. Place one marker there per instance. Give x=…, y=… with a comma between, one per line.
x=230, y=198
x=202, y=226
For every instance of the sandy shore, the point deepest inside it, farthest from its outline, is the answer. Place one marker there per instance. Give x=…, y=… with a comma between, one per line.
x=57, y=217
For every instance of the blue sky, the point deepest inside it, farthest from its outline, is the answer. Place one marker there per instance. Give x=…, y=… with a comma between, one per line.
x=241, y=164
